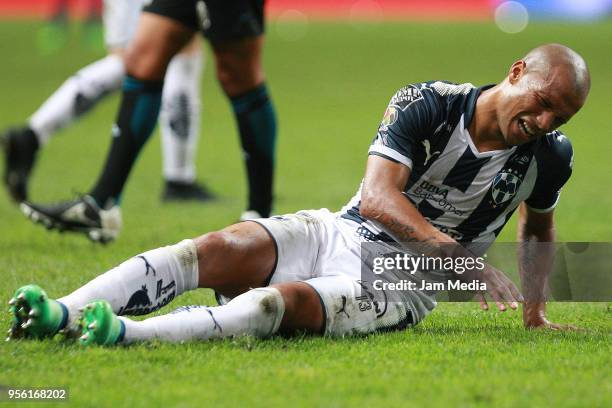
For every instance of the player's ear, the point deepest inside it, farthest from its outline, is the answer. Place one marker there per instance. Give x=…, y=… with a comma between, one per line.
x=516, y=71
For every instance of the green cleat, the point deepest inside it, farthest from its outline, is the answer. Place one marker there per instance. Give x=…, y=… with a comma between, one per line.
x=34, y=314
x=99, y=325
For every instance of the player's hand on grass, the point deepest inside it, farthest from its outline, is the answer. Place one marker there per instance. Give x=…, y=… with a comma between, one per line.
x=538, y=321
x=547, y=324
x=534, y=317
x=501, y=289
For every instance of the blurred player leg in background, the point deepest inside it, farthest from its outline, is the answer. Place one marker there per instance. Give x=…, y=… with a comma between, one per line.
x=88, y=86
x=238, y=46
x=179, y=122
x=157, y=40
x=236, y=32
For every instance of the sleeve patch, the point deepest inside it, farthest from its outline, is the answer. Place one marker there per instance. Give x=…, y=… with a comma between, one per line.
x=406, y=97
x=389, y=118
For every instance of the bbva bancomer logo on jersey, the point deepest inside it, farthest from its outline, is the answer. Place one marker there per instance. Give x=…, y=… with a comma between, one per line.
x=438, y=195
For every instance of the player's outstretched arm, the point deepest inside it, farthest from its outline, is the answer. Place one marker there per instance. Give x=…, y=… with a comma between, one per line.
x=382, y=201
x=536, y=236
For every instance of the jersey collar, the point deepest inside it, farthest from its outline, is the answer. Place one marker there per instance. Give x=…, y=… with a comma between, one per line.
x=470, y=103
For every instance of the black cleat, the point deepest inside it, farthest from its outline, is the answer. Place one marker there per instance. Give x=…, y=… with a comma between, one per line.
x=82, y=215
x=181, y=191
x=20, y=147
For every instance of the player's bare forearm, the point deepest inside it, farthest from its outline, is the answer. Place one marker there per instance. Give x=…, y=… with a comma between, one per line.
x=536, y=236
x=403, y=220
x=382, y=201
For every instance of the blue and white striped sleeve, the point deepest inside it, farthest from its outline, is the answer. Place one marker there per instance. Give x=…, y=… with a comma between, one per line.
x=408, y=120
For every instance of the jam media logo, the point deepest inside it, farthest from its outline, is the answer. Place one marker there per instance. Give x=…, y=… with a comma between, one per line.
x=505, y=186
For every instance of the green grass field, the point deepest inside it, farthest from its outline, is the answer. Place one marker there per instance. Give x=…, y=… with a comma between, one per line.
x=330, y=88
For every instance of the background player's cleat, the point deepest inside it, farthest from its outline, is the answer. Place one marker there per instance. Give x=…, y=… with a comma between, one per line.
x=20, y=147
x=82, y=215
x=249, y=215
x=34, y=314
x=99, y=325
x=179, y=191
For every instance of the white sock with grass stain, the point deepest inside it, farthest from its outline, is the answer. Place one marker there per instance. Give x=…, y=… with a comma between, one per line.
x=143, y=283
x=258, y=312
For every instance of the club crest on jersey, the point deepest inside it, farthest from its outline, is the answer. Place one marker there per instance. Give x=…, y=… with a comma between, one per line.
x=505, y=186
x=389, y=118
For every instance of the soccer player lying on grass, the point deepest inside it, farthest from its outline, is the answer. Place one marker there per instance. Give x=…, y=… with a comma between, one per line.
x=450, y=163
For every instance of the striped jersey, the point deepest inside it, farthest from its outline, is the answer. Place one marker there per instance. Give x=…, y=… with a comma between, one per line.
x=467, y=194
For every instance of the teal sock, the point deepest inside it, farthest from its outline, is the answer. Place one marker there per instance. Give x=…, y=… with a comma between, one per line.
x=136, y=121
x=257, y=126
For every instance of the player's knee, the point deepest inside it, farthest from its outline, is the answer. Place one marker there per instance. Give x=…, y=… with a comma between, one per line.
x=135, y=66
x=212, y=244
x=237, y=76
x=215, y=255
x=145, y=70
x=144, y=62
x=240, y=257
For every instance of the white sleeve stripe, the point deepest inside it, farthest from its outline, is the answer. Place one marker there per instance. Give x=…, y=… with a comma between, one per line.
x=545, y=210
x=387, y=151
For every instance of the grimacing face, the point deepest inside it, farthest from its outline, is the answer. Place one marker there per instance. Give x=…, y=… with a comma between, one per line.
x=535, y=103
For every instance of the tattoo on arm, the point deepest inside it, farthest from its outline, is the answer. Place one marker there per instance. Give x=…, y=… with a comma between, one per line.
x=405, y=232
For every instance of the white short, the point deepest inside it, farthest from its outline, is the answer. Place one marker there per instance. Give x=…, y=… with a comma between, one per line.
x=324, y=250
x=120, y=21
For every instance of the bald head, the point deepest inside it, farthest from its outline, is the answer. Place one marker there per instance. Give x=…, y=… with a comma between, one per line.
x=541, y=92
x=558, y=62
